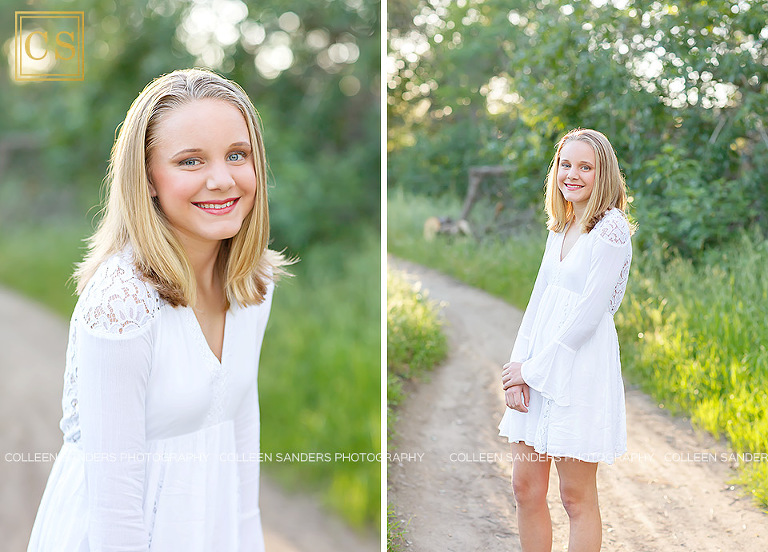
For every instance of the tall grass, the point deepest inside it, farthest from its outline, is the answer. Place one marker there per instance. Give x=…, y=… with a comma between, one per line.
x=319, y=380
x=505, y=267
x=415, y=338
x=693, y=334
x=38, y=262
x=320, y=376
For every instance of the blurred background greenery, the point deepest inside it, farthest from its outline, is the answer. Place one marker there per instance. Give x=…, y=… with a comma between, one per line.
x=681, y=90
x=312, y=71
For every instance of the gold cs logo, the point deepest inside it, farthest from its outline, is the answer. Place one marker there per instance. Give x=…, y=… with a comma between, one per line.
x=49, y=46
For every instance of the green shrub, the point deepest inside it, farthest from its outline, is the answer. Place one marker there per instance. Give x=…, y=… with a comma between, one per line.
x=415, y=338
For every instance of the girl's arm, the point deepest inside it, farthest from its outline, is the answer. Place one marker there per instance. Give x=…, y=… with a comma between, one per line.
x=520, y=349
x=549, y=372
x=247, y=431
x=114, y=341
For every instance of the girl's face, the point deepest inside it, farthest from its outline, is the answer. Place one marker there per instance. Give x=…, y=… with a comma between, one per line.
x=201, y=171
x=576, y=172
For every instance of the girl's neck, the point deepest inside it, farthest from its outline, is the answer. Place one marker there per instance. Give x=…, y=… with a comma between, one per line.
x=578, y=213
x=203, y=259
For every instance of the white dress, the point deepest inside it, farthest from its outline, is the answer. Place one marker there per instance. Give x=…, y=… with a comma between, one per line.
x=569, y=349
x=161, y=440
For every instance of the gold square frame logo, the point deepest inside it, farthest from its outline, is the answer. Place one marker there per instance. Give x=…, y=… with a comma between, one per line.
x=62, y=45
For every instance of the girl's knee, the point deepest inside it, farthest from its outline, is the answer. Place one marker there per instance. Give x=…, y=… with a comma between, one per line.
x=578, y=499
x=528, y=490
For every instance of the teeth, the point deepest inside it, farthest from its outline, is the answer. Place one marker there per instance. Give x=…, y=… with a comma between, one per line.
x=216, y=205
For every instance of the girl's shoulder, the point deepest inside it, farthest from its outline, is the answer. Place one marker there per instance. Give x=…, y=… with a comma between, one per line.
x=118, y=302
x=613, y=228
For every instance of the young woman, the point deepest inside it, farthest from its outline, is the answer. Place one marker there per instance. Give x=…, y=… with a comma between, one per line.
x=563, y=385
x=161, y=414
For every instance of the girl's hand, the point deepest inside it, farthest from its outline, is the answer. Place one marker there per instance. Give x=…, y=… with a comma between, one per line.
x=512, y=374
x=518, y=397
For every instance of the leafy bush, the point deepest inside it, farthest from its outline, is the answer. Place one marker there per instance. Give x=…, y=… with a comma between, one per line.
x=679, y=92
x=415, y=341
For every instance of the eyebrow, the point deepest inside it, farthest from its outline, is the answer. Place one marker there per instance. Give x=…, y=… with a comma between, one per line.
x=582, y=162
x=198, y=150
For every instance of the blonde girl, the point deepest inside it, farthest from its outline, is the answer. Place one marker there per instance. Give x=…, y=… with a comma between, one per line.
x=160, y=408
x=563, y=386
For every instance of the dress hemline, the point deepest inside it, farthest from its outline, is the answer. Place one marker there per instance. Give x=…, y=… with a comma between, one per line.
x=591, y=458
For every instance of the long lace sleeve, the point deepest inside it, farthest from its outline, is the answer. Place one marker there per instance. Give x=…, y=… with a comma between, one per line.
x=520, y=349
x=115, y=352
x=549, y=371
x=247, y=430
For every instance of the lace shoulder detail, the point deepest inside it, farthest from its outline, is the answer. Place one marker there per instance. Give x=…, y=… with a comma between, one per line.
x=117, y=302
x=613, y=228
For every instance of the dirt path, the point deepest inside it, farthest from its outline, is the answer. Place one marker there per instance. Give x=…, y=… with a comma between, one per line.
x=32, y=347
x=661, y=496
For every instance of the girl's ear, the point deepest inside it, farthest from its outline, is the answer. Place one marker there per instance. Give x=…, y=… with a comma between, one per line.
x=152, y=189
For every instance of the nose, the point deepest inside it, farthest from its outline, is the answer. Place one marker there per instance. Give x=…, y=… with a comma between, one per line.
x=219, y=177
x=573, y=173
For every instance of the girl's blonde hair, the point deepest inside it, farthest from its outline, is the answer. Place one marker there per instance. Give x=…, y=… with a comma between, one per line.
x=609, y=190
x=131, y=217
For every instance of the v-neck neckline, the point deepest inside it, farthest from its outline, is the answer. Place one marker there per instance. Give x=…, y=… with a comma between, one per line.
x=560, y=257
x=203, y=342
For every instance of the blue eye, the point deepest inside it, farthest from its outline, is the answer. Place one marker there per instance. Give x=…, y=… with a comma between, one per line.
x=586, y=167
x=236, y=156
x=191, y=162
x=565, y=165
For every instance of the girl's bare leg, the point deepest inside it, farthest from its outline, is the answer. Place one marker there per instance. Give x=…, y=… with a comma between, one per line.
x=530, y=481
x=578, y=490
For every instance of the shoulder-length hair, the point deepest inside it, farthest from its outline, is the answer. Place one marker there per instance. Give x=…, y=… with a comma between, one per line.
x=608, y=192
x=130, y=217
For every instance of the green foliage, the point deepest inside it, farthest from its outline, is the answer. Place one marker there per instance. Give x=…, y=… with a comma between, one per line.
x=505, y=267
x=415, y=338
x=680, y=92
x=320, y=377
x=395, y=531
x=693, y=336
x=415, y=341
x=39, y=262
x=321, y=115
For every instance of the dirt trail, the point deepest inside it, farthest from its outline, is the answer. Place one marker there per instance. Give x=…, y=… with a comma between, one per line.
x=661, y=496
x=32, y=352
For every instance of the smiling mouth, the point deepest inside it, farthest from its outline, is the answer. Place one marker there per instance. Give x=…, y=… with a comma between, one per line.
x=216, y=206
x=573, y=186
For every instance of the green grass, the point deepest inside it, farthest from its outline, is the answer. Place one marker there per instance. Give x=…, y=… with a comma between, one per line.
x=395, y=532
x=505, y=267
x=319, y=379
x=415, y=338
x=693, y=335
x=38, y=261
x=320, y=376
